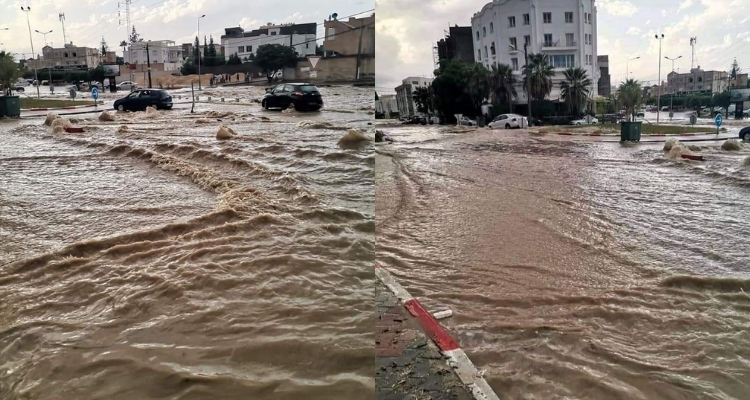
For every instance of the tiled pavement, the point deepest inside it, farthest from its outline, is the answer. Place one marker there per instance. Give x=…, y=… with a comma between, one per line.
x=408, y=365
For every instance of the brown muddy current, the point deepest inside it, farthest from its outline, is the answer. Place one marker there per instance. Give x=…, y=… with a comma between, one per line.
x=145, y=259
x=575, y=270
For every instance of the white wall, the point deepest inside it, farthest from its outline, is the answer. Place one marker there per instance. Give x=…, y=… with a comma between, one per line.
x=497, y=13
x=303, y=44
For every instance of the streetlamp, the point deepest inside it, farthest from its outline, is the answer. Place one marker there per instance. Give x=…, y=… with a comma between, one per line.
x=199, y=51
x=671, y=98
x=27, y=10
x=658, y=98
x=627, y=67
x=49, y=67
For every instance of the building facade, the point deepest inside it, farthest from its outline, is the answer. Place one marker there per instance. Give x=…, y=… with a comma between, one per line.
x=68, y=57
x=343, y=37
x=605, y=80
x=697, y=81
x=164, y=52
x=386, y=106
x=404, y=94
x=301, y=37
x=457, y=45
x=564, y=30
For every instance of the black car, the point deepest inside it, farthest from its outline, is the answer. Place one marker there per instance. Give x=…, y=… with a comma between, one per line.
x=140, y=99
x=304, y=96
x=745, y=134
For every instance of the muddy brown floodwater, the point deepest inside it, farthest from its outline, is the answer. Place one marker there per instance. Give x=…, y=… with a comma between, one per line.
x=145, y=259
x=575, y=270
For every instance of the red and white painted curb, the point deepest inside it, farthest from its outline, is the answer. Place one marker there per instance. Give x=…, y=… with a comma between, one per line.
x=457, y=358
x=55, y=109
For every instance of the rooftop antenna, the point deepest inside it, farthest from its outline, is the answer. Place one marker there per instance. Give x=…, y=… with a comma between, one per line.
x=62, y=20
x=694, y=60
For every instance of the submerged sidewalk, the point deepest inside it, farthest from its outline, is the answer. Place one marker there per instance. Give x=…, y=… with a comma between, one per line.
x=408, y=364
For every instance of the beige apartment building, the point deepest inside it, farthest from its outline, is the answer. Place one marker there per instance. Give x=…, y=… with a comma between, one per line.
x=697, y=81
x=68, y=57
x=343, y=37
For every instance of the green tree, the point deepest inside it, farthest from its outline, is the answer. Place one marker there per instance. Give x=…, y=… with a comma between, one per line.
x=105, y=48
x=97, y=75
x=8, y=72
x=135, y=37
x=273, y=57
x=734, y=70
x=423, y=99
x=234, y=59
x=459, y=88
x=575, y=89
x=188, y=67
x=196, y=50
x=631, y=96
x=502, y=84
x=477, y=89
x=722, y=100
x=539, y=72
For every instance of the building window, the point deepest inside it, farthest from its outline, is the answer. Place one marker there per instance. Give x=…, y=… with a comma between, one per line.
x=548, y=40
x=512, y=22
x=241, y=49
x=690, y=80
x=492, y=48
x=513, y=44
x=492, y=28
x=484, y=31
x=75, y=55
x=477, y=35
x=331, y=33
x=514, y=62
x=570, y=39
x=563, y=61
x=700, y=79
x=527, y=40
x=479, y=53
x=485, y=52
x=569, y=17
x=249, y=49
x=66, y=55
x=526, y=19
x=547, y=17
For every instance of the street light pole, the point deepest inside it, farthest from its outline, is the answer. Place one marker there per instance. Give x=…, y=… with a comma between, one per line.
x=27, y=10
x=627, y=67
x=658, y=98
x=49, y=67
x=199, y=51
x=671, y=98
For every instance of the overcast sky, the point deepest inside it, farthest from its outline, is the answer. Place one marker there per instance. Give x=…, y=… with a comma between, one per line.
x=88, y=20
x=408, y=29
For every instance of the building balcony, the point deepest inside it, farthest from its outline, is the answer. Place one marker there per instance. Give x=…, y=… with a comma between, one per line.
x=552, y=46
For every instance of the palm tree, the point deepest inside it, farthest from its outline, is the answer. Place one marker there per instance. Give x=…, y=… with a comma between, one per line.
x=539, y=71
x=630, y=96
x=423, y=99
x=476, y=87
x=503, y=84
x=575, y=89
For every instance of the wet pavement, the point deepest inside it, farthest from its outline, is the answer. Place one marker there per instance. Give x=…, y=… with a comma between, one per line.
x=408, y=364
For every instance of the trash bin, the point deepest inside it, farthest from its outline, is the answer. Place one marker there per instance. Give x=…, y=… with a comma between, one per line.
x=630, y=131
x=10, y=106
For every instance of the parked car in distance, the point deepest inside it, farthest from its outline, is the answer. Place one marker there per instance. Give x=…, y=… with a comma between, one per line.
x=585, y=121
x=745, y=134
x=304, y=96
x=140, y=99
x=127, y=85
x=434, y=120
x=508, y=121
x=466, y=121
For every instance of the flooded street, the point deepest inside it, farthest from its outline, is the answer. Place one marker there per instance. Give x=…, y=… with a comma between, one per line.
x=145, y=259
x=575, y=269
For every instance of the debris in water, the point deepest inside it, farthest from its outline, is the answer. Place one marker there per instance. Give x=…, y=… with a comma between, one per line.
x=224, y=133
x=443, y=314
x=382, y=137
x=693, y=147
x=123, y=129
x=106, y=116
x=731, y=145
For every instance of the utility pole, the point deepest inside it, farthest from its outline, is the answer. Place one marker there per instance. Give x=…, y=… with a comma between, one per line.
x=671, y=98
x=49, y=68
x=199, y=51
x=62, y=20
x=148, y=61
x=658, y=98
x=27, y=10
x=359, y=47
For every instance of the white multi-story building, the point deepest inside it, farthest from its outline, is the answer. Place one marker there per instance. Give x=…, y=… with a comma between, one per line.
x=564, y=30
x=386, y=105
x=299, y=36
x=404, y=92
x=162, y=52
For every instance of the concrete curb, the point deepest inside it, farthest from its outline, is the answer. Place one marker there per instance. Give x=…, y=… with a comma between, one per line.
x=457, y=358
x=55, y=109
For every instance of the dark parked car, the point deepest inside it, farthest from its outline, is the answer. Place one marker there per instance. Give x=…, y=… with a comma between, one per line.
x=745, y=134
x=304, y=96
x=140, y=99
